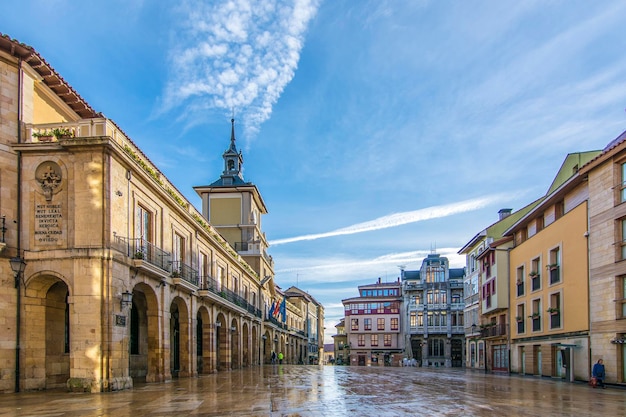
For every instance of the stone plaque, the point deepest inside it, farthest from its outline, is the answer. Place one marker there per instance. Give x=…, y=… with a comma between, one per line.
x=120, y=320
x=49, y=225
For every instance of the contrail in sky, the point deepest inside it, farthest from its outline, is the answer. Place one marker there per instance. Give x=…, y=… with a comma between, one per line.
x=399, y=219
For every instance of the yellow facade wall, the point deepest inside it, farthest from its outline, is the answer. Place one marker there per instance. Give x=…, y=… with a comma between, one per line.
x=225, y=211
x=567, y=234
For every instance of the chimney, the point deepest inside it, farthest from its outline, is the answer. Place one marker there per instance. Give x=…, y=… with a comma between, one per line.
x=504, y=213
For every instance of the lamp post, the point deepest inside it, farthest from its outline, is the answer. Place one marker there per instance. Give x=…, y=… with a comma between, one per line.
x=17, y=265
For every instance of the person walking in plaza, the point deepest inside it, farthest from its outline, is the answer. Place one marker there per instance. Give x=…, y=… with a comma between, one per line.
x=280, y=357
x=273, y=357
x=598, y=373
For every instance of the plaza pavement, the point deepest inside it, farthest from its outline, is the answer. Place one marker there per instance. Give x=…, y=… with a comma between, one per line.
x=292, y=390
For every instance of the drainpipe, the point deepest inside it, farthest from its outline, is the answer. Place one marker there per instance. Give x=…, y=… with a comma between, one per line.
x=19, y=225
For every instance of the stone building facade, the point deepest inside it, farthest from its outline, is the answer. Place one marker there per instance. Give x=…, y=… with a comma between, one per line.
x=373, y=325
x=433, y=307
x=123, y=279
x=607, y=258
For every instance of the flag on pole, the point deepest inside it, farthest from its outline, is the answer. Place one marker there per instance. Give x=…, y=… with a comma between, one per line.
x=276, y=309
x=283, y=310
x=271, y=310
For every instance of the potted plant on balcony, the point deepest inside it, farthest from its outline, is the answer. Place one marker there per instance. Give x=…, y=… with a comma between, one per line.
x=534, y=315
x=138, y=255
x=553, y=310
x=552, y=267
x=44, y=135
x=533, y=274
x=175, y=273
x=519, y=318
x=519, y=281
x=63, y=133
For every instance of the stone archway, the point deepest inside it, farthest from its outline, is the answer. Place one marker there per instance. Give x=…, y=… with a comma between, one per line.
x=180, y=354
x=255, y=346
x=235, y=361
x=204, y=342
x=146, y=357
x=267, y=347
x=222, y=348
x=48, y=318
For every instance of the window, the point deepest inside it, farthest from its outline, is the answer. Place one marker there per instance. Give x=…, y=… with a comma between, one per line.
x=622, y=243
x=380, y=324
x=553, y=266
x=143, y=224
x=361, y=340
x=420, y=319
x=387, y=339
x=520, y=281
x=539, y=223
x=220, y=277
x=394, y=323
x=435, y=347
x=367, y=324
x=374, y=340
x=623, y=184
x=536, y=315
x=535, y=274
x=178, y=248
x=472, y=263
x=203, y=269
x=555, y=310
x=559, y=209
x=622, y=301
x=143, y=232
x=413, y=318
x=435, y=274
x=354, y=325
x=521, y=318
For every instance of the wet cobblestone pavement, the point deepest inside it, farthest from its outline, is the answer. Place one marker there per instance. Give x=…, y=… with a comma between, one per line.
x=289, y=390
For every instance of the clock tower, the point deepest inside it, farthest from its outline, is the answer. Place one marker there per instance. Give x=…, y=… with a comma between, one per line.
x=234, y=208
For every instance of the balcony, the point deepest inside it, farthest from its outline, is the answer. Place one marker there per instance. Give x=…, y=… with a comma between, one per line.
x=209, y=285
x=555, y=320
x=146, y=256
x=185, y=276
x=520, y=288
x=495, y=330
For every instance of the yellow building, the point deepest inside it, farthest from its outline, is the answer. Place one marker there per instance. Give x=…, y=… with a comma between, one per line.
x=607, y=258
x=109, y=274
x=549, y=298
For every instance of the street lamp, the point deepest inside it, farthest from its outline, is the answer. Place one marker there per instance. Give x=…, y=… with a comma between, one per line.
x=17, y=265
x=127, y=299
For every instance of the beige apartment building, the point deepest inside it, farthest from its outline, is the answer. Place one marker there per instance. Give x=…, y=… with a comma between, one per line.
x=109, y=274
x=607, y=258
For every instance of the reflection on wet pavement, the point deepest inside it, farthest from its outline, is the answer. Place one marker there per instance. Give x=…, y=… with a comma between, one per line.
x=291, y=390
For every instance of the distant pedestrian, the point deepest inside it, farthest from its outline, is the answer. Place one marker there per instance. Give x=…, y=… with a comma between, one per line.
x=598, y=373
x=273, y=357
x=280, y=357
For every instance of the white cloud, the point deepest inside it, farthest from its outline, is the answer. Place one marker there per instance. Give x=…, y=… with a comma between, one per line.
x=399, y=219
x=235, y=55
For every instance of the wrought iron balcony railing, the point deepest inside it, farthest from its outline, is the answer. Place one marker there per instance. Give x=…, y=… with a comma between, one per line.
x=141, y=249
x=186, y=272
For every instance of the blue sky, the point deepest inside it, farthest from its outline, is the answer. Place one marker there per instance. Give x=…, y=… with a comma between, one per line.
x=376, y=131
